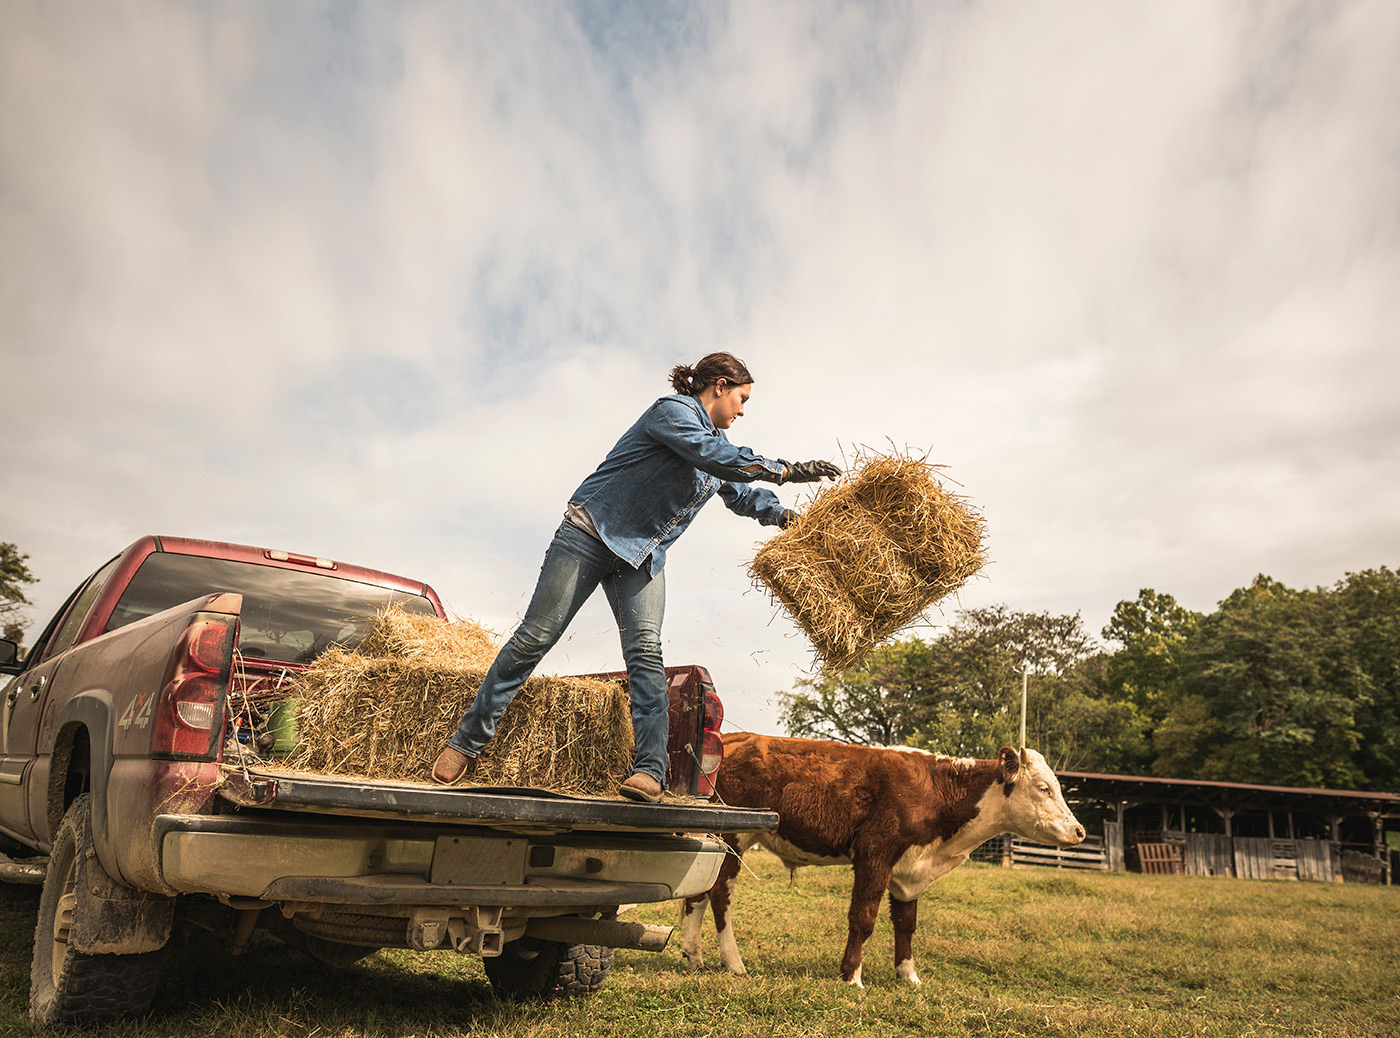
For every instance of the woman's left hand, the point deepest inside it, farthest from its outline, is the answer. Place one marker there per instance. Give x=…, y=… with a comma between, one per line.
x=809, y=471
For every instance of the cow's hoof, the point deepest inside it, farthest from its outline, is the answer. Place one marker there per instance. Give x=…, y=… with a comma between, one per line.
x=905, y=971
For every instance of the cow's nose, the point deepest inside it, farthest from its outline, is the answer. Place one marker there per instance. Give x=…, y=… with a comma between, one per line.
x=1079, y=833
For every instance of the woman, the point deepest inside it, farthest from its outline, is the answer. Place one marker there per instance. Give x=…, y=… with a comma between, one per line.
x=616, y=530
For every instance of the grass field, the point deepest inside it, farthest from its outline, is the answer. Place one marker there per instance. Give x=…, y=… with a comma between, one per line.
x=1001, y=952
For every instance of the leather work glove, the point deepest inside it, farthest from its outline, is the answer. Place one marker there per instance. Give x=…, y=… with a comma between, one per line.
x=809, y=471
x=788, y=517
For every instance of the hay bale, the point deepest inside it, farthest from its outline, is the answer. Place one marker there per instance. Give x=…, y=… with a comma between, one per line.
x=423, y=637
x=870, y=554
x=385, y=709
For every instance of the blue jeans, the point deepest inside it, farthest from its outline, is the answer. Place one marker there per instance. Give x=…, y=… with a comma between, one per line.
x=575, y=564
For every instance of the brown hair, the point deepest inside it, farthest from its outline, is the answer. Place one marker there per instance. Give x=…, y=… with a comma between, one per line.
x=707, y=371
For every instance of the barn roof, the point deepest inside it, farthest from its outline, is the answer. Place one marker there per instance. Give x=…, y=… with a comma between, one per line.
x=1234, y=796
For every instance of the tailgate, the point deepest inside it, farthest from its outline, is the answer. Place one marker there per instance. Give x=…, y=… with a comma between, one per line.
x=516, y=809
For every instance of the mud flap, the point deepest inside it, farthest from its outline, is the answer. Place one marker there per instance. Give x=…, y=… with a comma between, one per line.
x=110, y=918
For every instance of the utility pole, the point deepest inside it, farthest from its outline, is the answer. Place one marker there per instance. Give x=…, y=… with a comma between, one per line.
x=1025, y=678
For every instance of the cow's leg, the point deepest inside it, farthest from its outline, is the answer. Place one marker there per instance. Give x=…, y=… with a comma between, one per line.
x=692, y=920
x=904, y=915
x=720, y=898
x=867, y=890
x=722, y=904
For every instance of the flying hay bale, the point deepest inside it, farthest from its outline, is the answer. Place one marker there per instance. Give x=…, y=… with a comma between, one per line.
x=870, y=554
x=386, y=708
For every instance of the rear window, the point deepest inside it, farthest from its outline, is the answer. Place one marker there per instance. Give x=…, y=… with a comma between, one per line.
x=288, y=616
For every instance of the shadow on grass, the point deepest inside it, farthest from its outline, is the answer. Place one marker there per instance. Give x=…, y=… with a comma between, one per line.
x=273, y=988
x=389, y=992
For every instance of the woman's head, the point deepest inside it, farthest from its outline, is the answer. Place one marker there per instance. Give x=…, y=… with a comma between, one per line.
x=709, y=370
x=721, y=383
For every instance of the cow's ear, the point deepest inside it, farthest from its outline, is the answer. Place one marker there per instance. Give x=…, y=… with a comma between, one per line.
x=1010, y=763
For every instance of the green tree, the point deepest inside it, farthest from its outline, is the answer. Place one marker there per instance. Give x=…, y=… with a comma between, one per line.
x=1371, y=600
x=957, y=694
x=14, y=578
x=971, y=698
x=1184, y=737
x=1151, y=631
x=1271, y=690
x=871, y=704
x=1143, y=673
x=1084, y=725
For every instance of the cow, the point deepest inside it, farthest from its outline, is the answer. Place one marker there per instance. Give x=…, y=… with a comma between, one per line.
x=901, y=817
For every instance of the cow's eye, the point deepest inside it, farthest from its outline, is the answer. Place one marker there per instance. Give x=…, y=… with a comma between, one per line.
x=1045, y=788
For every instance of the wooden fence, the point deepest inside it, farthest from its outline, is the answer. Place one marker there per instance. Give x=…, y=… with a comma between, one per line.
x=1362, y=868
x=1263, y=858
x=1195, y=854
x=1087, y=855
x=1208, y=854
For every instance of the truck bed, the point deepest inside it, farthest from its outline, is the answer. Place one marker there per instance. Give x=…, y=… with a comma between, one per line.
x=503, y=808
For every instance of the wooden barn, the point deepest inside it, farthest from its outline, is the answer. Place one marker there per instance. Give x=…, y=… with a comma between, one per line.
x=1157, y=825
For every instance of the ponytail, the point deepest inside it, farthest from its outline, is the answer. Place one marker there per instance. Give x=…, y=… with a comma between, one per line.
x=692, y=381
x=683, y=378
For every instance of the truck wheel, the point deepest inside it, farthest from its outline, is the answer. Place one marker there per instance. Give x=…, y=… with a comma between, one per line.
x=530, y=968
x=66, y=986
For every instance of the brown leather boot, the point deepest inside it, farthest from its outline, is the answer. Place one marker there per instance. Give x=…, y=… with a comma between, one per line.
x=452, y=766
x=641, y=787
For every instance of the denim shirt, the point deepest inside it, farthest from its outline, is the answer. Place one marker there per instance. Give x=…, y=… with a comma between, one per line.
x=651, y=484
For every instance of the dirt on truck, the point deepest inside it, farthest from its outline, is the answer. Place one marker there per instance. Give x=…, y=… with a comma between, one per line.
x=119, y=795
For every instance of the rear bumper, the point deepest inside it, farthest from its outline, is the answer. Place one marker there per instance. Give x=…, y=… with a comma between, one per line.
x=415, y=865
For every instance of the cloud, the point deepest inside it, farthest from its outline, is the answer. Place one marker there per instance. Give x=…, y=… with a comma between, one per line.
x=385, y=283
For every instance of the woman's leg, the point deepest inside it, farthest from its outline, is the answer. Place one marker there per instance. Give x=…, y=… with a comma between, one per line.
x=573, y=567
x=638, y=601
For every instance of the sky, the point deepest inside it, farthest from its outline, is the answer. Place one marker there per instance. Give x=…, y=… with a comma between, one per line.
x=384, y=282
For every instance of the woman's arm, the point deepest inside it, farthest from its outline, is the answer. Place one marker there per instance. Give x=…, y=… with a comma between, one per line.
x=675, y=424
x=755, y=502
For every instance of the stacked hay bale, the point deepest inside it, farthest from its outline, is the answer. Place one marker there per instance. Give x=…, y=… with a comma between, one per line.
x=870, y=554
x=384, y=710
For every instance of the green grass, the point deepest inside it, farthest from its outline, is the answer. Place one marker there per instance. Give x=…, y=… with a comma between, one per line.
x=1002, y=953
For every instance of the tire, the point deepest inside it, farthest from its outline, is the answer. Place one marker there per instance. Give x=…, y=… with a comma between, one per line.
x=66, y=986
x=529, y=968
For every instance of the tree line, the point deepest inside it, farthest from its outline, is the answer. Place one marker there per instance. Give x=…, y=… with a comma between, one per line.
x=1277, y=687
x=14, y=577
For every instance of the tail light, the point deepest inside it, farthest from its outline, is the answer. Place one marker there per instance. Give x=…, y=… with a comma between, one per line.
x=714, y=712
x=711, y=745
x=188, y=717
x=711, y=753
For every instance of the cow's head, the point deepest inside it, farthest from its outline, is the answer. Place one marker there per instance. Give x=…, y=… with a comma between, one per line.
x=1035, y=807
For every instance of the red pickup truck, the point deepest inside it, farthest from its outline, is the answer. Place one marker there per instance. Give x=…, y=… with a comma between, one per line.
x=112, y=763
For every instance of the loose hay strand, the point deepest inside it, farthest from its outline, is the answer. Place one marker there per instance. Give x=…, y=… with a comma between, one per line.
x=386, y=708
x=871, y=554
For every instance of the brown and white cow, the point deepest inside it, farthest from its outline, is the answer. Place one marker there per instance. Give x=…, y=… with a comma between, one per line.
x=902, y=817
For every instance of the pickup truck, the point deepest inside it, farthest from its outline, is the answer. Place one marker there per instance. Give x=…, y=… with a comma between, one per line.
x=159, y=814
